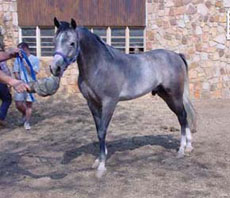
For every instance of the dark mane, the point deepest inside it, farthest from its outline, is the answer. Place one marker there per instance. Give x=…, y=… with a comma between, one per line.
x=111, y=50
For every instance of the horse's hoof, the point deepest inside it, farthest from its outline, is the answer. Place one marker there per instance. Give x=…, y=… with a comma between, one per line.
x=101, y=169
x=96, y=163
x=188, y=149
x=100, y=173
x=180, y=155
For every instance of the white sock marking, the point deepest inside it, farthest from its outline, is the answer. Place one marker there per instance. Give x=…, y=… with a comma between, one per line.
x=189, y=137
x=182, y=145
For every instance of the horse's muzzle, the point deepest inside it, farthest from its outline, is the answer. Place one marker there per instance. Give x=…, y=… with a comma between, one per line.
x=45, y=86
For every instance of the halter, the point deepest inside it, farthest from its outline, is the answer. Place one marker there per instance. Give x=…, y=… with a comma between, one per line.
x=67, y=60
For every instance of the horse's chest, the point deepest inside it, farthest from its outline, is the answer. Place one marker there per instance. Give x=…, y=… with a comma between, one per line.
x=87, y=91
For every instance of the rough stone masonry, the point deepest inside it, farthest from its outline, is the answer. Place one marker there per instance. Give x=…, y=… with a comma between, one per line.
x=196, y=28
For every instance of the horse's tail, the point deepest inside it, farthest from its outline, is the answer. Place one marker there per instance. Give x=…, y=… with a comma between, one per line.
x=191, y=113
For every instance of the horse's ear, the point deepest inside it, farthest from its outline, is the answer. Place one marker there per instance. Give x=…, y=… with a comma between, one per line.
x=56, y=22
x=73, y=23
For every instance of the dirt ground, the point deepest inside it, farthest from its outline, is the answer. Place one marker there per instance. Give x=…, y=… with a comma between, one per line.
x=54, y=159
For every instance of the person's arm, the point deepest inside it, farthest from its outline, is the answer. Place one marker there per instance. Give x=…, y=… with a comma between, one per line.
x=18, y=85
x=8, y=55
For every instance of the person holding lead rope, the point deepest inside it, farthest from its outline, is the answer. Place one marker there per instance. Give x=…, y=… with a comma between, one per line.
x=25, y=68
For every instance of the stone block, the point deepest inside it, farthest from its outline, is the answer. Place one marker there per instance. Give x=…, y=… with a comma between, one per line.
x=204, y=56
x=221, y=53
x=5, y=7
x=179, y=11
x=191, y=10
x=198, y=30
x=173, y=21
x=186, y=2
x=184, y=40
x=169, y=3
x=208, y=4
x=222, y=19
x=220, y=38
x=198, y=47
x=218, y=4
x=202, y=9
x=178, y=3
x=150, y=35
x=226, y=3
x=171, y=12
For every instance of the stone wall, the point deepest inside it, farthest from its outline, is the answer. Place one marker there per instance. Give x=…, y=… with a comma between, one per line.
x=9, y=22
x=196, y=28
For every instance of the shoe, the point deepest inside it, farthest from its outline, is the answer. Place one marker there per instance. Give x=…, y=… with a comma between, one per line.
x=27, y=125
x=22, y=121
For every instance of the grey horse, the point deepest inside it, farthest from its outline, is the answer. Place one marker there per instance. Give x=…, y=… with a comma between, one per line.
x=107, y=76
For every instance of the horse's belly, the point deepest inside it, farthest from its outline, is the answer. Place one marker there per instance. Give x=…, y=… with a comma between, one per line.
x=132, y=91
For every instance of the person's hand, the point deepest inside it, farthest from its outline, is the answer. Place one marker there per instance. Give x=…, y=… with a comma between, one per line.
x=19, y=86
x=13, y=52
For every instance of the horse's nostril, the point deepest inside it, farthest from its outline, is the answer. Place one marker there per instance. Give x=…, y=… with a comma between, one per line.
x=58, y=69
x=55, y=71
x=50, y=69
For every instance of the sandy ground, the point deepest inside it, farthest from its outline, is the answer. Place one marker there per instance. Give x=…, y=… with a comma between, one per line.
x=54, y=159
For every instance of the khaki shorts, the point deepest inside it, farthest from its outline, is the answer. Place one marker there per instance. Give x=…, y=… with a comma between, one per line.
x=23, y=97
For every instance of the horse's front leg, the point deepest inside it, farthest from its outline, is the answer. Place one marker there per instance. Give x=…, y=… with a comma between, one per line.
x=96, y=111
x=107, y=110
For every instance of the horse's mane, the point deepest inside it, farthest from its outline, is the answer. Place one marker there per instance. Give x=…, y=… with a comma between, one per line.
x=109, y=49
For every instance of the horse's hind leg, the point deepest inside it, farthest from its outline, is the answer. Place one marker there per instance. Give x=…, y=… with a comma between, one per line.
x=175, y=103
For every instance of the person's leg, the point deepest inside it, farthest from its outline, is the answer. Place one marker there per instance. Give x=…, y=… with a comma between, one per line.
x=21, y=106
x=6, y=98
x=28, y=110
x=29, y=104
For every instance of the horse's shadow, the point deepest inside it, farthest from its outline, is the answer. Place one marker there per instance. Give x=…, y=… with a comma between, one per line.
x=10, y=170
x=124, y=144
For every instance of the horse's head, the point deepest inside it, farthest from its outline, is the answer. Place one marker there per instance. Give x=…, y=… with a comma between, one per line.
x=66, y=46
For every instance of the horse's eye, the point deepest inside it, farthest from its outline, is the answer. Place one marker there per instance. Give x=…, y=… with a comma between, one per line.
x=72, y=44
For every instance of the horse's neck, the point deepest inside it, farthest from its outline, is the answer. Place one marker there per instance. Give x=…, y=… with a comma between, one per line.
x=91, y=54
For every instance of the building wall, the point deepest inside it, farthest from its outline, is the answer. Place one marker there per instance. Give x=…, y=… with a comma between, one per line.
x=196, y=28
x=9, y=22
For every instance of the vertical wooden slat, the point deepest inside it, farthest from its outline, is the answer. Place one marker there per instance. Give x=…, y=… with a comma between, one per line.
x=20, y=34
x=38, y=42
x=127, y=40
x=108, y=36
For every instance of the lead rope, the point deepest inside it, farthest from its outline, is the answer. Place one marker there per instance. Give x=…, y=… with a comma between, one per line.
x=22, y=67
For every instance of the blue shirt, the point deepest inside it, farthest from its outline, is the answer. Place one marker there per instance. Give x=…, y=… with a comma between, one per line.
x=35, y=64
